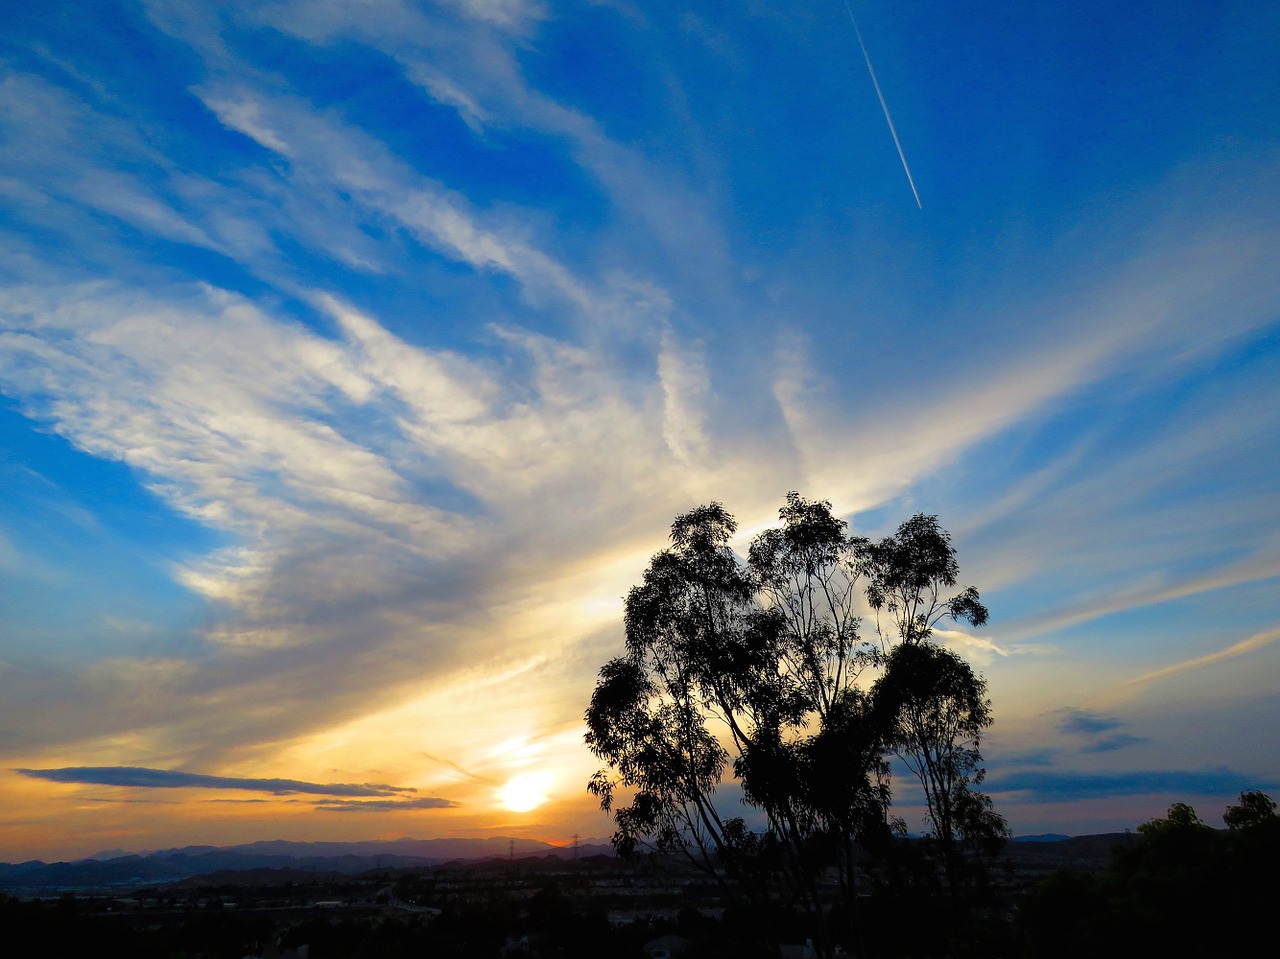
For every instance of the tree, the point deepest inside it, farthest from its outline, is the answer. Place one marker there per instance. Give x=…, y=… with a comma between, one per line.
x=938, y=710
x=755, y=668
x=908, y=574
x=1180, y=818
x=934, y=704
x=1256, y=809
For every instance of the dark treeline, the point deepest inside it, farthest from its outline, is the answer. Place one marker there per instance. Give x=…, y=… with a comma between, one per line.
x=1183, y=889
x=1178, y=888
x=490, y=926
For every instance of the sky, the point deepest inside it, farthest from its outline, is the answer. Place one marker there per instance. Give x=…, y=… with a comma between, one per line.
x=356, y=355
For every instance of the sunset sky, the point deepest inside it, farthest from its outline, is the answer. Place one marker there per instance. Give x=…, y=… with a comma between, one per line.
x=355, y=357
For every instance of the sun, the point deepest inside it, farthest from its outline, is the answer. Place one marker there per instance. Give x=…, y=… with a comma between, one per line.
x=525, y=792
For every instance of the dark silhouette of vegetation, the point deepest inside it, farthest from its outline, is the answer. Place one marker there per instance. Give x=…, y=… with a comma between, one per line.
x=480, y=914
x=759, y=669
x=1177, y=887
x=1256, y=809
x=1182, y=889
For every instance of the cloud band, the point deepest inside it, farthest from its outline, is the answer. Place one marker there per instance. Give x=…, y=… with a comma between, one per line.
x=142, y=777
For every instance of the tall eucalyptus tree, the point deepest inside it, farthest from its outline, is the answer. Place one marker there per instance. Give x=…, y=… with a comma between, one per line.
x=759, y=669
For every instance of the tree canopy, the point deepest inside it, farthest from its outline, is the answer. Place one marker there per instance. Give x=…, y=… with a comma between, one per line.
x=1255, y=810
x=759, y=670
x=1180, y=888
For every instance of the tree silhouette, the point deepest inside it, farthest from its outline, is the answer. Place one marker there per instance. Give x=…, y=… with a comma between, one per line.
x=754, y=668
x=1256, y=809
x=1182, y=889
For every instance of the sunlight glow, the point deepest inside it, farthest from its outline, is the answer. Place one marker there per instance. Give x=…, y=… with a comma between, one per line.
x=525, y=792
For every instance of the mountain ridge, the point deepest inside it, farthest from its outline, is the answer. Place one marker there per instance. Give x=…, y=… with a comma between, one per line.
x=171, y=865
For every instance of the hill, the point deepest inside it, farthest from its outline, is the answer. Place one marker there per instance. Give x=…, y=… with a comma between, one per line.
x=172, y=865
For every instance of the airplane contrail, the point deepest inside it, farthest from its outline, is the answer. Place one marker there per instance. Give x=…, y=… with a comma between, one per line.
x=883, y=106
x=456, y=768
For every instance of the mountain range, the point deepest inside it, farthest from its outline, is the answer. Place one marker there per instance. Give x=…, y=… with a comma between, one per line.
x=115, y=868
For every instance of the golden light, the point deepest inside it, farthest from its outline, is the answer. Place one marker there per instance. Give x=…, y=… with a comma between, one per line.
x=525, y=792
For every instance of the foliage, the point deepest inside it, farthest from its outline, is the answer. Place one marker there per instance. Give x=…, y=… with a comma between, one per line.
x=1181, y=889
x=1256, y=809
x=907, y=574
x=1180, y=817
x=760, y=669
x=938, y=710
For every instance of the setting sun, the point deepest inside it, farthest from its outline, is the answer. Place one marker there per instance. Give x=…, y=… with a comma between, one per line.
x=525, y=792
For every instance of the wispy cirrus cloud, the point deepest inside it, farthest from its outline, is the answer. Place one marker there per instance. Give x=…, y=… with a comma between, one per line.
x=470, y=64
x=91, y=195
x=383, y=805
x=1141, y=316
x=1244, y=647
x=322, y=150
x=321, y=448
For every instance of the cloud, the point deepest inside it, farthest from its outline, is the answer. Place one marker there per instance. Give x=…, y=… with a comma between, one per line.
x=1262, y=564
x=141, y=777
x=1138, y=317
x=469, y=64
x=461, y=770
x=982, y=649
x=1082, y=722
x=1098, y=732
x=1035, y=757
x=384, y=805
x=98, y=204
x=1243, y=647
x=515, y=15
x=1066, y=786
x=686, y=398
x=369, y=487
x=321, y=150
x=1109, y=744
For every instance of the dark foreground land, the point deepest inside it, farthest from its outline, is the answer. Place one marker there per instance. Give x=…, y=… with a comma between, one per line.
x=1181, y=890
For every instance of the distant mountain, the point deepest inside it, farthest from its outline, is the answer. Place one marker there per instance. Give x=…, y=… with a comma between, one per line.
x=441, y=850
x=112, y=854
x=1042, y=837
x=170, y=865
x=116, y=870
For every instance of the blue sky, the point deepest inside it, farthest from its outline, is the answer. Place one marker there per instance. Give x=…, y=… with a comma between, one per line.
x=355, y=356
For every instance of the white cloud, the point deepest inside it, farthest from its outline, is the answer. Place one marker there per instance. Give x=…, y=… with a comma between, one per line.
x=323, y=150
x=318, y=456
x=1245, y=646
x=686, y=390
x=510, y=14
x=473, y=67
